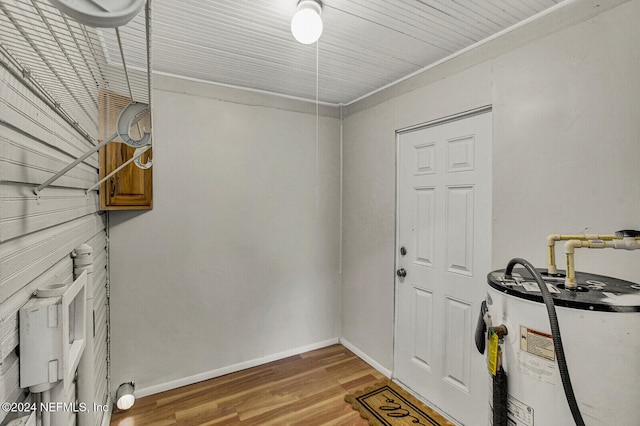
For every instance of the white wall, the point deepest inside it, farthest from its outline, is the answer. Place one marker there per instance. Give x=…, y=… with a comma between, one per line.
x=238, y=261
x=235, y=265
x=564, y=92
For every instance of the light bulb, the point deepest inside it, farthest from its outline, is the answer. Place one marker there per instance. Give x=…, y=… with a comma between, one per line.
x=125, y=402
x=306, y=25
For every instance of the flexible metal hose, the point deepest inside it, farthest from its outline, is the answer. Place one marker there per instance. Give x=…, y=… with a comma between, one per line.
x=555, y=332
x=500, y=397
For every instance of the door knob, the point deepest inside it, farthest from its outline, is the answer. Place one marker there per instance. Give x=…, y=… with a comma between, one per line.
x=401, y=272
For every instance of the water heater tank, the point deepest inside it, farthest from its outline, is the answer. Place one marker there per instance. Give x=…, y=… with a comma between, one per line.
x=600, y=330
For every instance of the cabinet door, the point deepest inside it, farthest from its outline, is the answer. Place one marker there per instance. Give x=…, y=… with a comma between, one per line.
x=131, y=187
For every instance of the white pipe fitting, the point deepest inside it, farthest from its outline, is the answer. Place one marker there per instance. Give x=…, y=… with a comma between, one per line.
x=628, y=243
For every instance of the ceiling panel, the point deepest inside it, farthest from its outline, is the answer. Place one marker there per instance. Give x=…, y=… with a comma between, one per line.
x=366, y=44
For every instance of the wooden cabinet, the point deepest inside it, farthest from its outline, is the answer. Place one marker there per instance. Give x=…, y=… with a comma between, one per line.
x=131, y=187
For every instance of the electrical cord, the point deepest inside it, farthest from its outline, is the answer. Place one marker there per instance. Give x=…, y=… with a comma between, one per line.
x=555, y=332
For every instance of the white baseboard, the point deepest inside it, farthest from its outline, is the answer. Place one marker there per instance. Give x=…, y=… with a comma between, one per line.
x=366, y=358
x=150, y=390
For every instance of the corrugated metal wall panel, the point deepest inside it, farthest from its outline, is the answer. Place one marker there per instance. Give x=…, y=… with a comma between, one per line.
x=101, y=315
x=22, y=213
x=9, y=373
x=23, y=164
x=23, y=111
x=24, y=258
x=44, y=40
x=37, y=235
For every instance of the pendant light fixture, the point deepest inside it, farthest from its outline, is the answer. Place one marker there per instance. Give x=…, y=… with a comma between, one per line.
x=124, y=396
x=306, y=25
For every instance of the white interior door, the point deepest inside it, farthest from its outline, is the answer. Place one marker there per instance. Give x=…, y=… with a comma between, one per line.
x=444, y=229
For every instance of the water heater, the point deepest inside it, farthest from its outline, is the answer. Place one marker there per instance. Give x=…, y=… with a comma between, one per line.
x=599, y=321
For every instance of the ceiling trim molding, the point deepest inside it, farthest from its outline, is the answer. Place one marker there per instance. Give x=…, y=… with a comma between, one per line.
x=241, y=95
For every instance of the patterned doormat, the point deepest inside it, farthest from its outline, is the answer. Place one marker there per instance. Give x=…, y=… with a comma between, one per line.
x=387, y=404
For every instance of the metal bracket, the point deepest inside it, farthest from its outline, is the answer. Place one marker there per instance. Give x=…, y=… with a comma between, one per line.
x=135, y=114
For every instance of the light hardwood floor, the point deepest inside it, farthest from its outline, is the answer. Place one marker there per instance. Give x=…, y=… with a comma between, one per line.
x=306, y=389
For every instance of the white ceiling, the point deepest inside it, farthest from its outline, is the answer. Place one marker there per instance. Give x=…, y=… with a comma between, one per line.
x=366, y=44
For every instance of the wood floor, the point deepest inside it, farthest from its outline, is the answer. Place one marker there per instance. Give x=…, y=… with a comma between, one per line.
x=306, y=389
